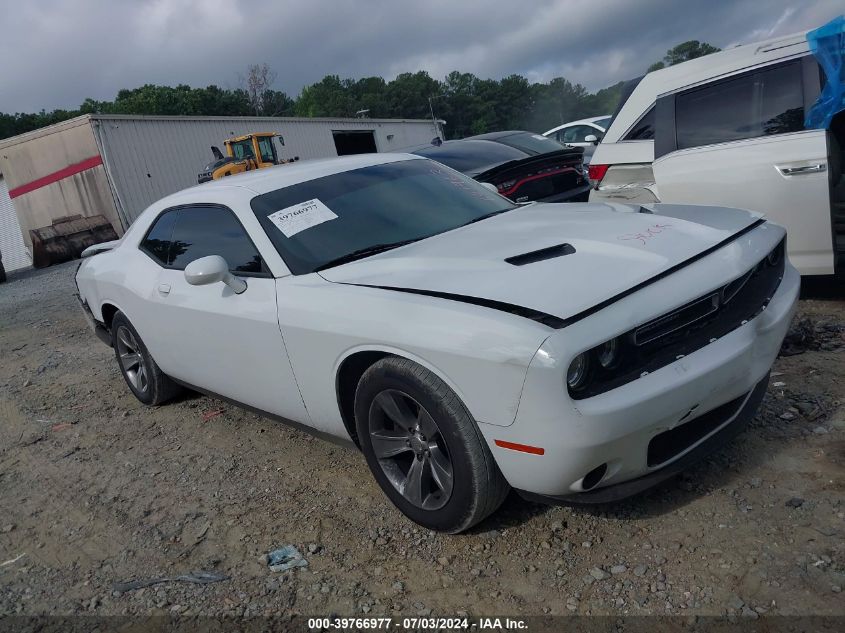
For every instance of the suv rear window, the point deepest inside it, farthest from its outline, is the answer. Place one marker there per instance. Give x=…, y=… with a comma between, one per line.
x=760, y=103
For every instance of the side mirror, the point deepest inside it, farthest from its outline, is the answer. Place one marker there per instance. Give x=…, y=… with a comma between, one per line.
x=592, y=138
x=211, y=269
x=490, y=186
x=281, y=139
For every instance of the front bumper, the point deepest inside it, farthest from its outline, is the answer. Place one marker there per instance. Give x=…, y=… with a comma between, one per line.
x=98, y=328
x=614, y=430
x=727, y=426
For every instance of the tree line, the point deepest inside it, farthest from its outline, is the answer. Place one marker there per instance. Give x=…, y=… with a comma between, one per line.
x=468, y=104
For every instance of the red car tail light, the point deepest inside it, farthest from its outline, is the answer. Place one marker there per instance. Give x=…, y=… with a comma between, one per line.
x=597, y=173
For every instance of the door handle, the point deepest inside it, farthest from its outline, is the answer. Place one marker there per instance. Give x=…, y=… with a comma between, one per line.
x=164, y=289
x=803, y=169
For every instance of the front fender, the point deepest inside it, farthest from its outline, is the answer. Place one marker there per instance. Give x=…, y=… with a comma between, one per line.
x=482, y=354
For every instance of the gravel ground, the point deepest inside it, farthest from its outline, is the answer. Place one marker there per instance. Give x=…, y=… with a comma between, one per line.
x=96, y=489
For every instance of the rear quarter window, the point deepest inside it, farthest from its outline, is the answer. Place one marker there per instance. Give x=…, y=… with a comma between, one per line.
x=157, y=242
x=643, y=129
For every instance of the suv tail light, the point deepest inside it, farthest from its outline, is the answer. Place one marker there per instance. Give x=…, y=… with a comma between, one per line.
x=597, y=173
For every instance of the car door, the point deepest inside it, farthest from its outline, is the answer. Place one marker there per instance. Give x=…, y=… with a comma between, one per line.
x=208, y=336
x=741, y=142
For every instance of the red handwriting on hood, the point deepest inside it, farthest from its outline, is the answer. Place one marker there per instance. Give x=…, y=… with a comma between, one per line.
x=646, y=235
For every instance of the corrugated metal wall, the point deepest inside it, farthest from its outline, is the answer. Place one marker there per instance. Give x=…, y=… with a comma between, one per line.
x=12, y=247
x=147, y=158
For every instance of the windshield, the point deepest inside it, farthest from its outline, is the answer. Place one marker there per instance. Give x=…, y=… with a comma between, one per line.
x=531, y=143
x=316, y=222
x=603, y=123
x=471, y=157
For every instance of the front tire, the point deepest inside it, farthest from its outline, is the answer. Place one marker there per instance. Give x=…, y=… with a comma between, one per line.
x=424, y=448
x=146, y=381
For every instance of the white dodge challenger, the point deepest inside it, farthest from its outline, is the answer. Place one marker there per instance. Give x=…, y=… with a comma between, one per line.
x=467, y=345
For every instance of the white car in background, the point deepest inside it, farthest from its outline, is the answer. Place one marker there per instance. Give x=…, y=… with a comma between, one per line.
x=728, y=129
x=586, y=133
x=465, y=343
x=578, y=133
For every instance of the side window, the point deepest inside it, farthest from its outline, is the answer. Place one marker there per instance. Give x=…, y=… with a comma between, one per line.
x=578, y=133
x=202, y=231
x=759, y=103
x=566, y=135
x=242, y=150
x=157, y=242
x=265, y=146
x=781, y=99
x=643, y=130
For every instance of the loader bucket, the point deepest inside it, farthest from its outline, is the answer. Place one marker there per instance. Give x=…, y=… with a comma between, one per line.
x=67, y=237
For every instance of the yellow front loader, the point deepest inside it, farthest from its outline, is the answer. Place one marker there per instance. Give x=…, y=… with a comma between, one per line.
x=244, y=153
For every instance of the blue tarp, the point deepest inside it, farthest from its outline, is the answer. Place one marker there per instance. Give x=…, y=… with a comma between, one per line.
x=828, y=46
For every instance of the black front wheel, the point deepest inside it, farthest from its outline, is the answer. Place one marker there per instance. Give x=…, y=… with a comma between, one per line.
x=424, y=449
x=146, y=381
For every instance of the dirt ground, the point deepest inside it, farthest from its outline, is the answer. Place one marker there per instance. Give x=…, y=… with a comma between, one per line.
x=96, y=489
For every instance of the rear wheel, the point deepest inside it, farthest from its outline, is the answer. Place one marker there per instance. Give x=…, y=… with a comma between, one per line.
x=144, y=378
x=424, y=449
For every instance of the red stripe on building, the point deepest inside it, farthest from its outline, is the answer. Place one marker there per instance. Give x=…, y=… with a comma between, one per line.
x=49, y=179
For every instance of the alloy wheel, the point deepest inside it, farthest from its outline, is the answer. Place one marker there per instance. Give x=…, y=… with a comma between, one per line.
x=131, y=360
x=411, y=449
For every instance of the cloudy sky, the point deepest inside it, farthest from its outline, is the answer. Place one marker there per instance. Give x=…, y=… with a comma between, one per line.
x=55, y=53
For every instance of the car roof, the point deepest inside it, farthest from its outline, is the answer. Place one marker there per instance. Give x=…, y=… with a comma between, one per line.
x=700, y=70
x=590, y=121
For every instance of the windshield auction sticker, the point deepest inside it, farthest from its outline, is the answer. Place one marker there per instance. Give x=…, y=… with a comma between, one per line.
x=295, y=219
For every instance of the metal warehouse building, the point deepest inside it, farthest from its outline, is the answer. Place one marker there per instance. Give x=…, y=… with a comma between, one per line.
x=117, y=165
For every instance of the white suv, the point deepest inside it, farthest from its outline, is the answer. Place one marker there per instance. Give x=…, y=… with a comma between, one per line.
x=728, y=129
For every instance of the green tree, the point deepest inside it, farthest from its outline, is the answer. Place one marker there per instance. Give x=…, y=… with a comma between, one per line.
x=683, y=52
x=328, y=97
x=407, y=96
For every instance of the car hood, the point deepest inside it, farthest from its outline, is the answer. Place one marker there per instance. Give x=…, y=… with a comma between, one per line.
x=611, y=248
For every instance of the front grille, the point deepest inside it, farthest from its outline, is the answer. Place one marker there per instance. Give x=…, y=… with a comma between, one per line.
x=676, y=320
x=669, y=444
x=663, y=340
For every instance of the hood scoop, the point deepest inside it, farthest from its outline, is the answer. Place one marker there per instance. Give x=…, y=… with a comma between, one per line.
x=544, y=253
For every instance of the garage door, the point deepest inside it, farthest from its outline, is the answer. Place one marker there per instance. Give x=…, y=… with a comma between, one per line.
x=12, y=247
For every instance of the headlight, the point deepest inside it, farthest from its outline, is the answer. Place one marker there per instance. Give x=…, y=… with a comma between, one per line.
x=579, y=369
x=608, y=353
